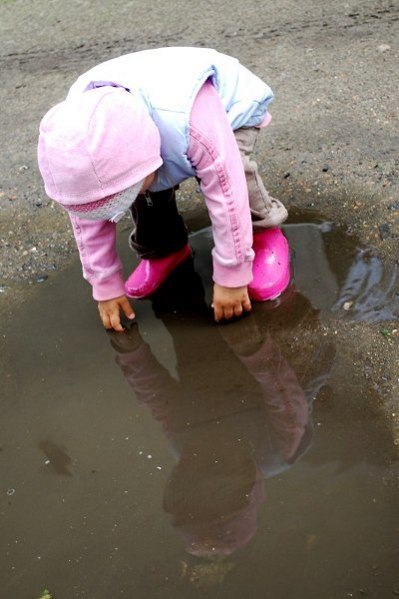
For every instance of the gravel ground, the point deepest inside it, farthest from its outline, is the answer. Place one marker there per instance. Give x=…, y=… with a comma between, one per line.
x=332, y=146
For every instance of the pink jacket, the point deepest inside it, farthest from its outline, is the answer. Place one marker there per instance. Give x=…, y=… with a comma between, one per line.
x=216, y=159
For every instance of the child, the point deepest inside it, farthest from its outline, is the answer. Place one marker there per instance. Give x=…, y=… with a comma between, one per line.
x=130, y=130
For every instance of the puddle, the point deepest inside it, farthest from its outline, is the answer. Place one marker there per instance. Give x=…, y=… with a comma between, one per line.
x=187, y=459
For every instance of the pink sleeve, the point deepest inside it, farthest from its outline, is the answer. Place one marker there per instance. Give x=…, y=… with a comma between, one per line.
x=266, y=121
x=102, y=268
x=284, y=398
x=214, y=154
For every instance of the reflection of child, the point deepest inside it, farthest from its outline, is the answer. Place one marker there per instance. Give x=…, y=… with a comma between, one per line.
x=228, y=433
x=130, y=130
x=226, y=441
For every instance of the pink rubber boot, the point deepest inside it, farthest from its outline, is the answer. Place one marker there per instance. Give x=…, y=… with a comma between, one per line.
x=151, y=273
x=271, y=266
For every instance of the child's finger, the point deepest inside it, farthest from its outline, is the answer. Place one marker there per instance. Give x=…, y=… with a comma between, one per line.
x=218, y=312
x=228, y=312
x=127, y=308
x=107, y=323
x=238, y=309
x=104, y=319
x=246, y=304
x=116, y=322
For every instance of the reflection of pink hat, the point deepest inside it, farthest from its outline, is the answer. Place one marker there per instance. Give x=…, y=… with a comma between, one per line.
x=214, y=503
x=228, y=533
x=95, y=146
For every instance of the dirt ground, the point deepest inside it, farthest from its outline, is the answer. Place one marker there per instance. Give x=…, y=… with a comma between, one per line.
x=332, y=147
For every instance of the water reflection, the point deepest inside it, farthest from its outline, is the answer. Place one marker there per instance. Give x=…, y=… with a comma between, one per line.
x=369, y=293
x=338, y=275
x=239, y=410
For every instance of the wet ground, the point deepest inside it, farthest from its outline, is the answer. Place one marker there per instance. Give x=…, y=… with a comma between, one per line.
x=188, y=459
x=84, y=510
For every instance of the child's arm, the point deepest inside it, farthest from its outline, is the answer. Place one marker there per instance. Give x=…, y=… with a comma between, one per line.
x=214, y=153
x=102, y=268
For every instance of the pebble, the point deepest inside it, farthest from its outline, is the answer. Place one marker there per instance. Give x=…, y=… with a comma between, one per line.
x=41, y=279
x=384, y=48
x=347, y=305
x=385, y=230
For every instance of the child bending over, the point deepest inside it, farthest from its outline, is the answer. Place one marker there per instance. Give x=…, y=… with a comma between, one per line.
x=130, y=130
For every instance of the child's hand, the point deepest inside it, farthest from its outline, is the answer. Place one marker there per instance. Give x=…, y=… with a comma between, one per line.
x=230, y=301
x=110, y=312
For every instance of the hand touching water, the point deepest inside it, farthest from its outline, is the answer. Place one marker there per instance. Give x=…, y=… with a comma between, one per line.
x=227, y=303
x=230, y=301
x=110, y=312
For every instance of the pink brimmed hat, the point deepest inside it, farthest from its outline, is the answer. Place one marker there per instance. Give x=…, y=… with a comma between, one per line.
x=93, y=147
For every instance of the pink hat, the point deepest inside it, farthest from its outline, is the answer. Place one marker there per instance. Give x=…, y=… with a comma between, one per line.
x=96, y=145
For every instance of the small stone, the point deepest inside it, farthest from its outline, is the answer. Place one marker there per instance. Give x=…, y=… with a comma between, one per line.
x=385, y=230
x=384, y=48
x=347, y=305
x=41, y=279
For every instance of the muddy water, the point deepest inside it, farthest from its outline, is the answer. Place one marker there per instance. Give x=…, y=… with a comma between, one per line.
x=187, y=459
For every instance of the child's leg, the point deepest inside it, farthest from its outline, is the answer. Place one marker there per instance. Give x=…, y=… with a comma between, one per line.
x=265, y=210
x=271, y=265
x=159, y=229
x=160, y=239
